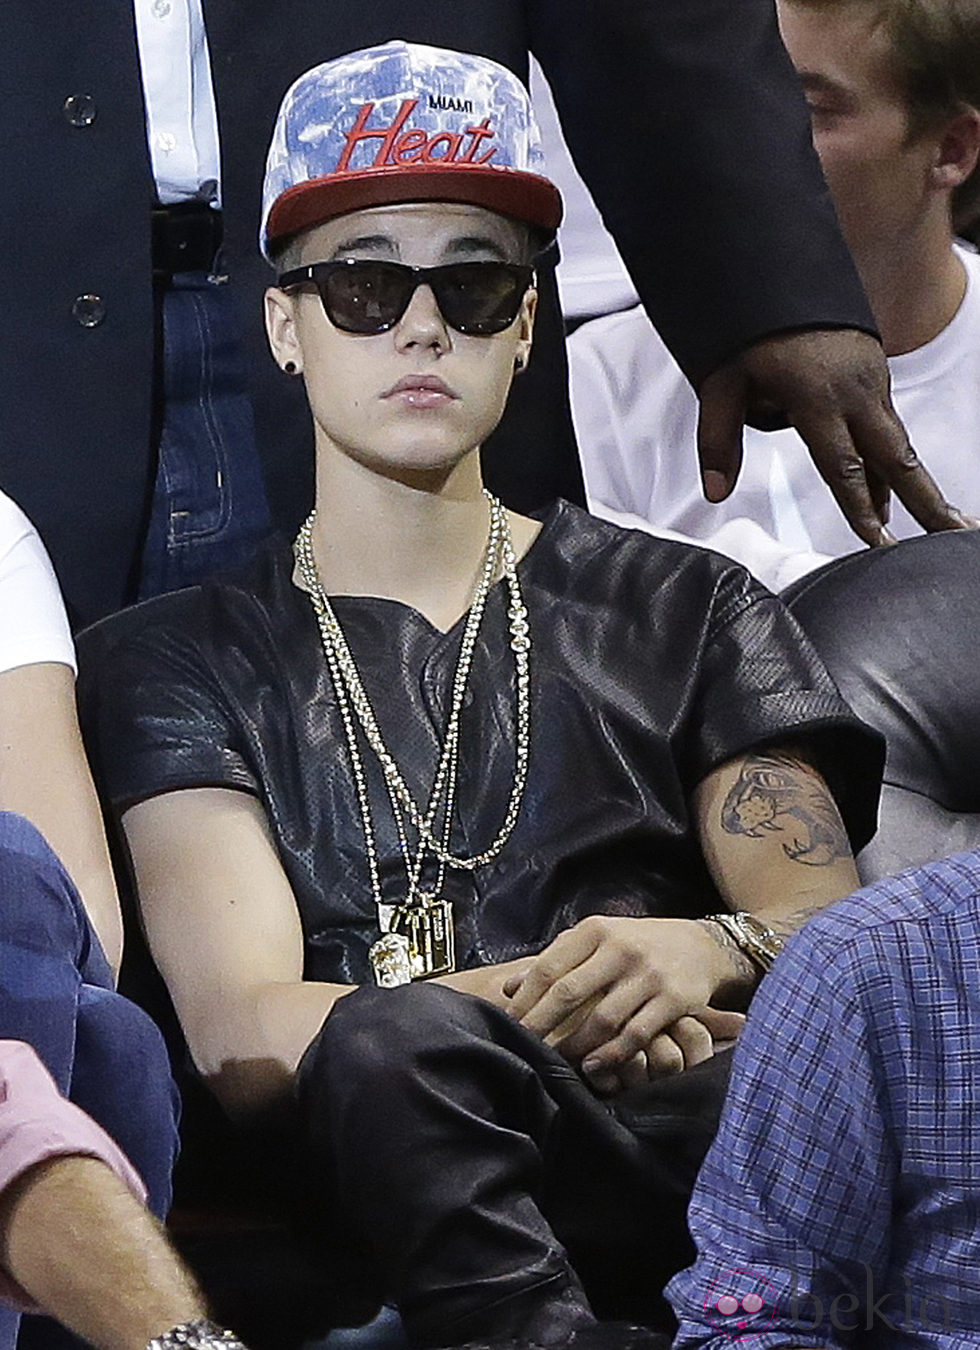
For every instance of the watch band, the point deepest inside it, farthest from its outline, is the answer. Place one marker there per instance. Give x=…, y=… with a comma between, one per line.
x=760, y=943
x=199, y=1334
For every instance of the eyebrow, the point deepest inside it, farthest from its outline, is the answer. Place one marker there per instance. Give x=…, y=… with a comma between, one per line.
x=815, y=83
x=365, y=243
x=477, y=243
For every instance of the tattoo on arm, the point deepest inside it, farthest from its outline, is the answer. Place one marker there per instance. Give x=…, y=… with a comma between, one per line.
x=778, y=794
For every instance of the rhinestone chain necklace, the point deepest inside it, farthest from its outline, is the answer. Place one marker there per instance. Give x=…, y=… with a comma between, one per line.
x=354, y=704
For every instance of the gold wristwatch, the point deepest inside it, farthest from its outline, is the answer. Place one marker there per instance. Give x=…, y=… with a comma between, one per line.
x=760, y=943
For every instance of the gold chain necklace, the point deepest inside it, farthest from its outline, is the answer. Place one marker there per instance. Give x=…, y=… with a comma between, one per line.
x=417, y=935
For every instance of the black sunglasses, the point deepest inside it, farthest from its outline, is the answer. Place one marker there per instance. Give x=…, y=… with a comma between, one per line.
x=363, y=296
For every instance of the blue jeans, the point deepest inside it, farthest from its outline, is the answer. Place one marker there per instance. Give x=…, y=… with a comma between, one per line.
x=56, y=993
x=209, y=507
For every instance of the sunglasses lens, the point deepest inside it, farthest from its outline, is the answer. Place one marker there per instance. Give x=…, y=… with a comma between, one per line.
x=365, y=297
x=481, y=298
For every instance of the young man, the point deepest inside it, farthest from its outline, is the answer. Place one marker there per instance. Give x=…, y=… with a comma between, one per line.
x=894, y=94
x=840, y=1203
x=153, y=340
x=494, y=771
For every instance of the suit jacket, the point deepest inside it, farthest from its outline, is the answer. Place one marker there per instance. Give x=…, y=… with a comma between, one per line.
x=684, y=117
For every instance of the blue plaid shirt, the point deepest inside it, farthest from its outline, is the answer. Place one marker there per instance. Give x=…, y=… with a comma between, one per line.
x=840, y=1202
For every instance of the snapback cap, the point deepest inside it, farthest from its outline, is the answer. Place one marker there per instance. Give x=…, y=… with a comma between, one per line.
x=400, y=123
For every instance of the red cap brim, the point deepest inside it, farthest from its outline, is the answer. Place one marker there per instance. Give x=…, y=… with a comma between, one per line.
x=512, y=192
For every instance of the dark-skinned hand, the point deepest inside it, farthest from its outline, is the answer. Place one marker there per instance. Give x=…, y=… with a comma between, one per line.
x=832, y=385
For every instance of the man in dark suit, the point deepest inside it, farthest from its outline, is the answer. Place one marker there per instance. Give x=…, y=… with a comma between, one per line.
x=685, y=119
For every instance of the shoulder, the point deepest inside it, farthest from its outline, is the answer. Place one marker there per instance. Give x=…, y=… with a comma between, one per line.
x=591, y=554
x=206, y=645
x=211, y=620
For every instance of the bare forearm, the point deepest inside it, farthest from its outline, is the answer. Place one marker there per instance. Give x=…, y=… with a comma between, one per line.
x=250, y=1055
x=76, y=1240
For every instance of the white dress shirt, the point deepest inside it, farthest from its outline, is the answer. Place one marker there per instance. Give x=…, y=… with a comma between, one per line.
x=181, y=119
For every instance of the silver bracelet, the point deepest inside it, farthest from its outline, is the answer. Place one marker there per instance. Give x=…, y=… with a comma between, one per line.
x=760, y=943
x=199, y=1334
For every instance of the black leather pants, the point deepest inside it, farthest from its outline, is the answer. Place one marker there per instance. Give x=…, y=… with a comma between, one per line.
x=488, y=1186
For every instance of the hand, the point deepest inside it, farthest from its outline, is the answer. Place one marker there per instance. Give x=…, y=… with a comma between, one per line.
x=630, y=979
x=688, y=1041
x=833, y=386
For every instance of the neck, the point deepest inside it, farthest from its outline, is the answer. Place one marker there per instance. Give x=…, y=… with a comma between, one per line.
x=914, y=291
x=419, y=542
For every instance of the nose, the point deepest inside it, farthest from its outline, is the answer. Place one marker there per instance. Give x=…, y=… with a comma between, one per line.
x=422, y=324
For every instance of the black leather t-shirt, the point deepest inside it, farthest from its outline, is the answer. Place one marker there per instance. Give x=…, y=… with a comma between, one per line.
x=652, y=664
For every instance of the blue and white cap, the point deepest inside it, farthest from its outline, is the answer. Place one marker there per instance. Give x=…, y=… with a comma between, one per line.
x=402, y=123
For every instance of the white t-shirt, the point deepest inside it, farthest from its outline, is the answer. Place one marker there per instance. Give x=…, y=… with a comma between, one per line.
x=636, y=420
x=33, y=623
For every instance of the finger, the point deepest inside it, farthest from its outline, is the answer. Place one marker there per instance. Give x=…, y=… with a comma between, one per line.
x=664, y=1056
x=639, y=1032
x=571, y=990
x=881, y=493
x=723, y=1025
x=721, y=417
x=635, y=1072
x=694, y=1040
x=607, y=1017
x=837, y=461
x=569, y=950
x=607, y=1083
x=513, y=981
x=882, y=442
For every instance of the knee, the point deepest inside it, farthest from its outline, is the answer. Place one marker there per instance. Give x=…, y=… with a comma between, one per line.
x=21, y=841
x=122, y=1077
x=41, y=907
x=128, y=1042
x=120, y=1054
x=378, y=1033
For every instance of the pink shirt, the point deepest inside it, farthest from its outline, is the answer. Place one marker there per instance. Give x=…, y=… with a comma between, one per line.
x=37, y=1123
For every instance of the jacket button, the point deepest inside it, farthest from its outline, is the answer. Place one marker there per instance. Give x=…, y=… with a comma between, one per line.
x=88, y=310
x=79, y=110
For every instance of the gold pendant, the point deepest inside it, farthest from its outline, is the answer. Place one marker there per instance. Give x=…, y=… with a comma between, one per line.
x=427, y=926
x=391, y=961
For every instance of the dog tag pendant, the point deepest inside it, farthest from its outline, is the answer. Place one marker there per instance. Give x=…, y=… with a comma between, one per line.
x=428, y=927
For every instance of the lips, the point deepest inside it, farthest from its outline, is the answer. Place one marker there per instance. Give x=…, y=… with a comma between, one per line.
x=421, y=391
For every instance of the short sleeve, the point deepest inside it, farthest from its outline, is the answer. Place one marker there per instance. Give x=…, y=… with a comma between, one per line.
x=161, y=721
x=36, y=1124
x=33, y=624
x=761, y=682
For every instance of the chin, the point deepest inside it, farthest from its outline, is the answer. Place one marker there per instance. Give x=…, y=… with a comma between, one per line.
x=419, y=464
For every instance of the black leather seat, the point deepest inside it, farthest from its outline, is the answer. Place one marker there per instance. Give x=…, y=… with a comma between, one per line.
x=899, y=629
